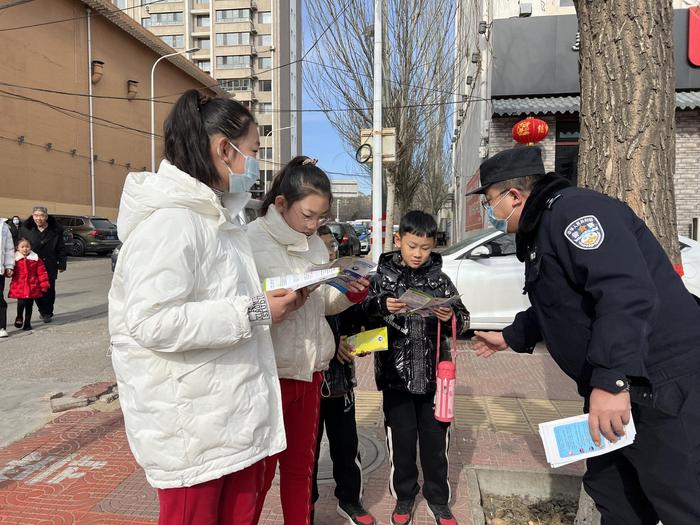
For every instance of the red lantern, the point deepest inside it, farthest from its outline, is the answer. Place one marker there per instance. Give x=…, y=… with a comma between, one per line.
x=530, y=131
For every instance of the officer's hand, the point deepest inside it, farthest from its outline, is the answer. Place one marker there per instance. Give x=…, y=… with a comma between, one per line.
x=488, y=343
x=344, y=354
x=608, y=414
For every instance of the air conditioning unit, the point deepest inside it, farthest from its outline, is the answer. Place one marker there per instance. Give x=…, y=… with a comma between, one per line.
x=525, y=10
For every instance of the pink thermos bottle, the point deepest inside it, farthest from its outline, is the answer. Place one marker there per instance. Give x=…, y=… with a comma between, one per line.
x=446, y=379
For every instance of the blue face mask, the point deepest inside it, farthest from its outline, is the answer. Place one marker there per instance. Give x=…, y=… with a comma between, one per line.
x=242, y=182
x=499, y=224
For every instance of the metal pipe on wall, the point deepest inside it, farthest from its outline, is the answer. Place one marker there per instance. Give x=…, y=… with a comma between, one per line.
x=90, y=112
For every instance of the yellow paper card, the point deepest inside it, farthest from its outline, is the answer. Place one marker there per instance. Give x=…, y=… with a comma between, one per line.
x=370, y=341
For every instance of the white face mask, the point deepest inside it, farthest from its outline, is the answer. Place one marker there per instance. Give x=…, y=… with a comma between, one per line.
x=242, y=182
x=15, y=222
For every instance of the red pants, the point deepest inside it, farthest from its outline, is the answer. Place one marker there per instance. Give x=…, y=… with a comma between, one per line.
x=230, y=500
x=300, y=404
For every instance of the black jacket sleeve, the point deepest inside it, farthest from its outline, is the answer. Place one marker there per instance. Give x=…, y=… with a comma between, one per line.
x=460, y=311
x=374, y=306
x=610, y=268
x=524, y=333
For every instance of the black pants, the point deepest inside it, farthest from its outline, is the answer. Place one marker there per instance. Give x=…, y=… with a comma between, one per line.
x=24, y=310
x=657, y=477
x=3, y=304
x=338, y=418
x=410, y=419
x=46, y=302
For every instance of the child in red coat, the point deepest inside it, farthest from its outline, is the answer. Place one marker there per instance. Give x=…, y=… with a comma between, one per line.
x=29, y=281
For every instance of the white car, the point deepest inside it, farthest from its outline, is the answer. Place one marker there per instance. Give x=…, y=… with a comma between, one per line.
x=490, y=278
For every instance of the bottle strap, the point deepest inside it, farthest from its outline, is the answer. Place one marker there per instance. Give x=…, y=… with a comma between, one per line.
x=439, y=340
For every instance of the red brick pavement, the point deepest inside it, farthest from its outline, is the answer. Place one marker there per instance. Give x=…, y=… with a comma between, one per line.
x=78, y=468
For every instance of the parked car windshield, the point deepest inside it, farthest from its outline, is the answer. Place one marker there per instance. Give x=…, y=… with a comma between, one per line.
x=470, y=237
x=103, y=224
x=336, y=228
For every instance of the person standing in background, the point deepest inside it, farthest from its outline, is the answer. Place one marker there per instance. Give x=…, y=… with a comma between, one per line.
x=7, y=266
x=46, y=237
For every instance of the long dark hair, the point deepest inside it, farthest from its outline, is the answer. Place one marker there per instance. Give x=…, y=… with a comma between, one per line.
x=191, y=122
x=299, y=178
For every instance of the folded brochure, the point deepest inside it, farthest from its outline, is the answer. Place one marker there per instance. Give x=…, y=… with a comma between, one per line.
x=422, y=303
x=337, y=273
x=297, y=281
x=568, y=440
x=351, y=269
x=370, y=341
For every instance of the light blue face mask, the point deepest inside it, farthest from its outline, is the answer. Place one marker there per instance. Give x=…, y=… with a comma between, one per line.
x=242, y=182
x=499, y=224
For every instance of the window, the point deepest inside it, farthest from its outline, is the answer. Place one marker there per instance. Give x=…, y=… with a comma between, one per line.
x=501, y=246
x=232, y=15
x=232, y=62
x=264, y=40
x=566, y=149
x=265, y=153
x=121, y=4
x=265, y=17
x=264, y=63
x=202, y=2
x=204, y=65
x=232, y=39
x=166, y=19
x=265, y=130
x=265, y=107
x=176, y=41
x=235, y=84
x=202, y=43
x=202, y=21
x=146, y=22
x=265, y=85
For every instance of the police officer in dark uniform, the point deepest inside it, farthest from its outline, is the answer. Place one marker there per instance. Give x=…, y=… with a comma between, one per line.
x=617, y=319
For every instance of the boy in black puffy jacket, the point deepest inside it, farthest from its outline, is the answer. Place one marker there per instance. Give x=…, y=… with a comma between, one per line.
x=406, y=373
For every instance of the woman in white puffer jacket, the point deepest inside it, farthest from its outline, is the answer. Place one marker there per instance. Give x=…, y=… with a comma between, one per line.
x=284, y=241
x=188, y=321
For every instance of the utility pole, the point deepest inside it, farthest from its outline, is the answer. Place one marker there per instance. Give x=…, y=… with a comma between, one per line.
x=377, y=135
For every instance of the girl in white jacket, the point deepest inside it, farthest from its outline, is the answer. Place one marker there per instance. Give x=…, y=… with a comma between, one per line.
x=284, y=241
x=188, y=321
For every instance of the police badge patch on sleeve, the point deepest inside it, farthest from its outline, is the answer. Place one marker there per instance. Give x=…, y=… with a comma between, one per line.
x=585, y=233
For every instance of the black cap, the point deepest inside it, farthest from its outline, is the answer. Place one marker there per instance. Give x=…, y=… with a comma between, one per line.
x=524, y=161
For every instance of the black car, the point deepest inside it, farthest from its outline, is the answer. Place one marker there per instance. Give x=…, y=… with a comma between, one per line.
x=348, y=241
x=90, y=234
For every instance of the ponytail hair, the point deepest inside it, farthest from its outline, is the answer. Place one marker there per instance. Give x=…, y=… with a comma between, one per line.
x=299, y=178
x=192, y=121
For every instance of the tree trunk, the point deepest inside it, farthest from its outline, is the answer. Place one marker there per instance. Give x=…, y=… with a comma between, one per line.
x=627, y=145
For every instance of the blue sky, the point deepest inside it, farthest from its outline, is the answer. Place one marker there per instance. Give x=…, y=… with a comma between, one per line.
x=319, y=138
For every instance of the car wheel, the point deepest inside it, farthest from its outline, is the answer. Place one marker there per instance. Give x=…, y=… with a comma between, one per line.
x=78, y=248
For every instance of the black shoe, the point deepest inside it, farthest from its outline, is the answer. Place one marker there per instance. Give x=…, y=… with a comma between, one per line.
x=441, y=514
x=19, y=322
x=27, y=327
x=403, y=512
x=46, y=318
x=355, y=513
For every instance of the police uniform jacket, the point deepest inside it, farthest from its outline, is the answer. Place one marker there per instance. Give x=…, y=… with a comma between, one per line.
x=605, y=297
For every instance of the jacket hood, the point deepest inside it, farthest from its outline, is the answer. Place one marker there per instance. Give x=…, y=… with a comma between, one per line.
x=31, y=256
x=29, y=224
x=274, y=224
x=145, y=192
x=394, y=260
